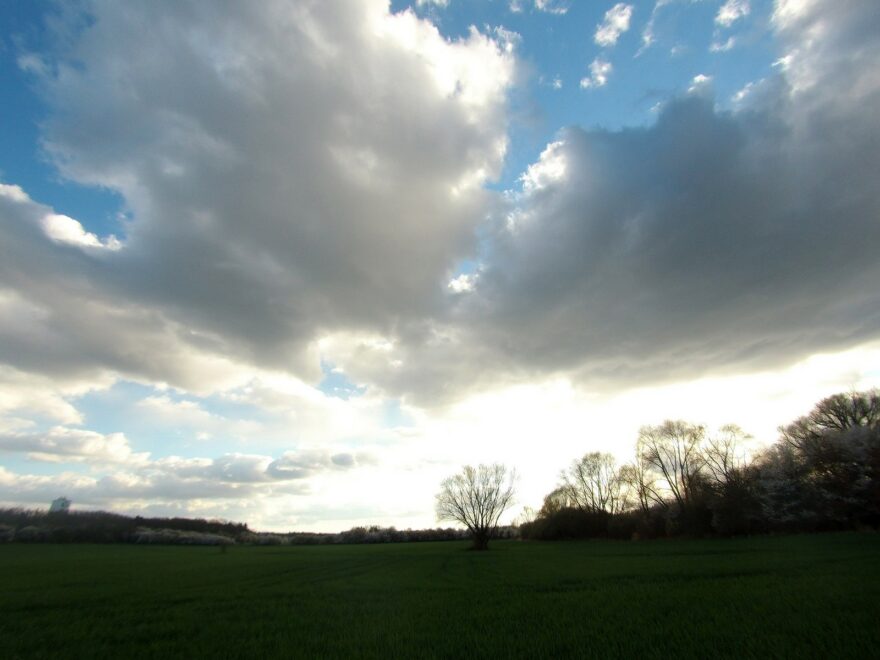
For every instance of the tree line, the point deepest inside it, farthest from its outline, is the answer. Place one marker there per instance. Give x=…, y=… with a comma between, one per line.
x=823, y=473
x=39, y=526
x=33, y=526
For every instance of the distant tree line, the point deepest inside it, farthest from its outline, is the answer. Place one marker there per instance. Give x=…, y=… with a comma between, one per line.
x=33, y=526
x=377, y=534
x=822, y=474
x=359, y=535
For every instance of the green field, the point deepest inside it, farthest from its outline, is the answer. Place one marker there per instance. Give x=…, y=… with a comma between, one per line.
x=795, y=596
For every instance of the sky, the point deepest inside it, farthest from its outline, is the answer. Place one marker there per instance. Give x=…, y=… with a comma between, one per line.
x=293, y=262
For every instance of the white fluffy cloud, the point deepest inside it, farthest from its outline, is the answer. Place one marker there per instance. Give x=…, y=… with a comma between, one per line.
x=732, y=11
x=615, y=23
x=558, y=7
x=343, y=201
x=32, y=395
x=71, y=445
x=600, y=69
x=64, y=229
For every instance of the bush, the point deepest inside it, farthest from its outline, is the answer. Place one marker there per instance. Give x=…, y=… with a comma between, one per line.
x=567, y=523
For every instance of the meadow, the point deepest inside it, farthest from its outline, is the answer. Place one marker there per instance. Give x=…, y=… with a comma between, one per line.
x=783, y=596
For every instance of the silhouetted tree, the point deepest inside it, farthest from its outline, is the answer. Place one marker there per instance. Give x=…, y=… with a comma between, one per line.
x=672, y=451
x=593, y=483
x=476, y=498
x=673, y=474
x=723, y=454
x=834, y=415
x=731, y=486
x=639, y=485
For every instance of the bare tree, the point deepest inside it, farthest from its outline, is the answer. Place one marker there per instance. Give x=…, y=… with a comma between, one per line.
x=593, y=483
x=672, y=451
x=476, y=498
x=525, y=517
x=639, y=486
x=723, y=454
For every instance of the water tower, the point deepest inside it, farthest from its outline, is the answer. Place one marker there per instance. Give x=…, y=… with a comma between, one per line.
x=60, y=505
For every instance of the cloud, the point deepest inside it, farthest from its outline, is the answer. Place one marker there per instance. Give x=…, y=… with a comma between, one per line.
x=549, y=169
x=599, y=71
x=331, y=223
x=708, y=241
x=120, y=490
x=462, y=283
x=35, y=396
x=14, y=193
x=787, y=12
x=64, y=229
x=829, y=48
x=649, y=32
x=508, y=39
x=72, y=318
x=732, y=11
x=69, y=445
x=342, y=202
x=722, y=46
x=558, y=7
x=304, y=464
x=729, y=13
x=232, y=477
x=342, y=460
x=230, y=468
x=615, y=23
x=188, y=416
x=700, y=83
x=701, y=244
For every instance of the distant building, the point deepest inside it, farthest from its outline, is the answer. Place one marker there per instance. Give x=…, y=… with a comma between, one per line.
x=60, y=505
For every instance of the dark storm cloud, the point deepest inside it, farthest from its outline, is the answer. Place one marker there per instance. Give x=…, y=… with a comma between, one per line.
x=712, y=240
x=706, y=240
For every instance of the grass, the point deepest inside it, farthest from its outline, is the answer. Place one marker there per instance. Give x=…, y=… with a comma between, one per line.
x=795, y=596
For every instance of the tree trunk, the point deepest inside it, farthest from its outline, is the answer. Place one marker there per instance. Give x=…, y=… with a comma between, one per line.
x=481, y=541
